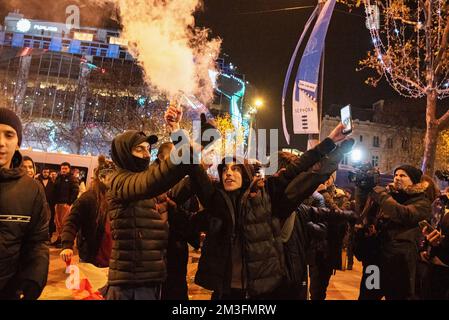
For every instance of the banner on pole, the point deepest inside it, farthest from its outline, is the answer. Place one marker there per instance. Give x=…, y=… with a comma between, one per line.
x=290, y=69
x=305, y=91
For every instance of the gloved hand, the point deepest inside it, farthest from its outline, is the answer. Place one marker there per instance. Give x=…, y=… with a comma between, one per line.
x=346, y=146
x=330, y=164
x=208, y=125
x=379, y=189
x=28, y=290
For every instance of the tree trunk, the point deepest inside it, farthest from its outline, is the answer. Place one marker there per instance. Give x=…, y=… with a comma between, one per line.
x=432, y=130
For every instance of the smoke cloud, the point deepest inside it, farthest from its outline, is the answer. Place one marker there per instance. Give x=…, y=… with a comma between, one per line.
x=175, y=54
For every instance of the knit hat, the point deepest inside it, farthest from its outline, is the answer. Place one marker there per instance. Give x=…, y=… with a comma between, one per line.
x=9, y=118
x=414, y=173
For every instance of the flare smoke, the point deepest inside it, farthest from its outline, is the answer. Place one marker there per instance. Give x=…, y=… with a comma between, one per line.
x=175, y=55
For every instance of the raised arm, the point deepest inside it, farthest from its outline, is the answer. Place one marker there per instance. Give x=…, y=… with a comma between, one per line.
x=406, y=215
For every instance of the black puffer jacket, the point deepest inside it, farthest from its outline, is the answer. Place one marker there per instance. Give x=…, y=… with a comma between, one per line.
x=252, y=223
x=24, y=217
x=139, y=233
x=66, y=189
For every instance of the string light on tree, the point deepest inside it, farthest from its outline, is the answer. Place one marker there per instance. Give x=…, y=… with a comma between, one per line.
x=410, y=40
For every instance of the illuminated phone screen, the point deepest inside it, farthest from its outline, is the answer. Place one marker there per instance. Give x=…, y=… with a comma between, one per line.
x=346, y=119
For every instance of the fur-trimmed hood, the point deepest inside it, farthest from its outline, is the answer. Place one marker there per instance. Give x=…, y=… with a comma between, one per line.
x=417, y=188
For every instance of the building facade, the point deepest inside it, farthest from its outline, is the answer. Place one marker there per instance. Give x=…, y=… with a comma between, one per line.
x=75, y=89
x=384, y=146
x=389, y=133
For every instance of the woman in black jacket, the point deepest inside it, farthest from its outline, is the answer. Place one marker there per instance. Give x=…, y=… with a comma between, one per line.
x=88, y=222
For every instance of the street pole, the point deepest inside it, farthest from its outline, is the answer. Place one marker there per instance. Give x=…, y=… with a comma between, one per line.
x=250, y=136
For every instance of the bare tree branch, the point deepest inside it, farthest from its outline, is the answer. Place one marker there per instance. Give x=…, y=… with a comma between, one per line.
x=410, y=82
x=444, y=42
x=443, y=121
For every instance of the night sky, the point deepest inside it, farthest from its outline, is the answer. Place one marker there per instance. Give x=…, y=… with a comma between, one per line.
x=261, y=45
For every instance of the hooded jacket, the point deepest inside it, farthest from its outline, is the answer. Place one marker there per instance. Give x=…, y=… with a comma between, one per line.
x=250, y=221
x=24, y=217
x=139, y=233
x=399, y=218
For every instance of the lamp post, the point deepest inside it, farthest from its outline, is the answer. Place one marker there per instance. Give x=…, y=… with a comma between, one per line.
x=252, y=113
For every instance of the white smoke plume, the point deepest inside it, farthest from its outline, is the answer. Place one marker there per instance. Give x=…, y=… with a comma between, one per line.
x=175, y=54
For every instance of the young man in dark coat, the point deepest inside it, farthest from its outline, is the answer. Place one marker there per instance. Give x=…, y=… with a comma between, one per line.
x=137, y=266
x=305, y=225
x=24, y=218
x=66, y=192
x=394, y=213
x=242, y=256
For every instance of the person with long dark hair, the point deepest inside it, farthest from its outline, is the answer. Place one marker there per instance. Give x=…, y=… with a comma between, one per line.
x=88, y=221
x=29, y=166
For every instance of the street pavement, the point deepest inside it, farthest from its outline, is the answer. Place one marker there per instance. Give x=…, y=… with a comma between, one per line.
x=344, y=285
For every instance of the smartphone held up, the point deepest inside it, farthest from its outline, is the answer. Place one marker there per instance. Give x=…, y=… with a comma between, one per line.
x=346, y=119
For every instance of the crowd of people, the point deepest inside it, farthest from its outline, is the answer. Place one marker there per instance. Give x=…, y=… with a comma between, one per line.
x=260, y=237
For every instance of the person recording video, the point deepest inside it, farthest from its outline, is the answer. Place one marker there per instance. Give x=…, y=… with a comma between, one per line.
x=389, y=233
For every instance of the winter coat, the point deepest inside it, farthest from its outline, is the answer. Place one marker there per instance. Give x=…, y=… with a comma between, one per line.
x=83, y=225
x=139, y=233
x=66, y=189
x=297, y=246
x=330, y=248
x=49, y=190
x=399, y=222
x=249, y=224
x=395, y=244
x=24, y=217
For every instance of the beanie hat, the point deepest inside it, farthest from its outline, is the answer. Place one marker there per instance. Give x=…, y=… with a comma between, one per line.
x=9, y=118
x=414, y=173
